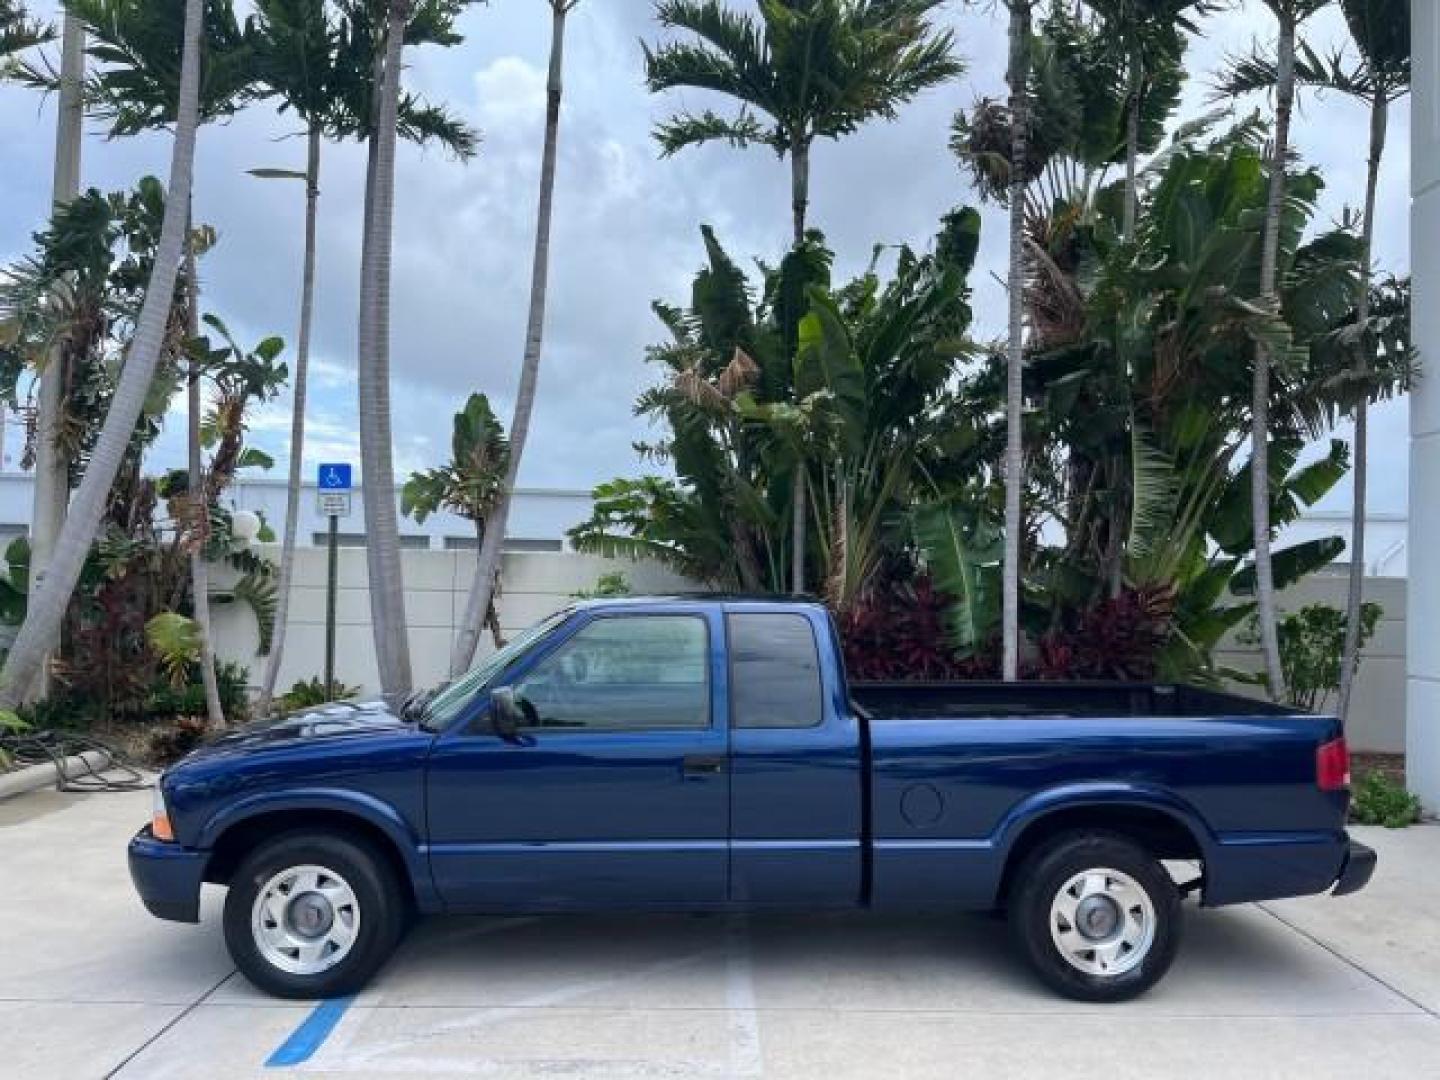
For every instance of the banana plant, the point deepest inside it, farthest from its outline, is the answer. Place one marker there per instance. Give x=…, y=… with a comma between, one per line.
x=963, y=551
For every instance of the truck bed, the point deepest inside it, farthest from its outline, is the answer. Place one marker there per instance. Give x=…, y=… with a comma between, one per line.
x=955, y=767
x=996, y=700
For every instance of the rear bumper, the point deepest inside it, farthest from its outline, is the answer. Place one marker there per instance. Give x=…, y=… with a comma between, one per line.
x=1356, y=870
x=167, y=877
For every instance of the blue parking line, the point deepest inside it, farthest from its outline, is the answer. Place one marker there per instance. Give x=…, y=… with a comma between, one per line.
x=311, y=1034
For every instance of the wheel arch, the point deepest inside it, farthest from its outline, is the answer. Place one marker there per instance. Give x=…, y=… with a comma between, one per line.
x=1162, y=824
x=232, y=835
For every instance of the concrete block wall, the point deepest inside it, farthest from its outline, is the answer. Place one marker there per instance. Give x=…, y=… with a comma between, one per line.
x=436, y=586
x=536, y=584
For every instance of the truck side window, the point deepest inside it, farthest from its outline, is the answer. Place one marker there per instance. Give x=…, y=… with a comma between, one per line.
x=632, y=672
x=774, y=671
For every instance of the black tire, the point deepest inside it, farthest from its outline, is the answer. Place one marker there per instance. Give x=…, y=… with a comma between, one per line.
x=379, y=898
x=1038, y=884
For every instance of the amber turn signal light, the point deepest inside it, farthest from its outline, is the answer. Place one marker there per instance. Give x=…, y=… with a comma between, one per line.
x=160, y=818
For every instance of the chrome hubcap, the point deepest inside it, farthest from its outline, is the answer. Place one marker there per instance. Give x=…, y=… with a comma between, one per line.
x=305, y=920
x=1102, y=922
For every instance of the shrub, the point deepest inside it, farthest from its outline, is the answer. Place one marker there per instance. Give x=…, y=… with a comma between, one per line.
x=10, y=724
x=173, y=743
x=165, y=700
x=607, y=586
x=1312, y=645
x=306, y=694
x=1118, y=638
x=1379, y=800
x=899, y=633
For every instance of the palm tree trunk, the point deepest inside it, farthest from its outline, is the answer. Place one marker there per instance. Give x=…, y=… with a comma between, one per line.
x=482, y=588
x=492, y=614
x=297, y=424
x=1355, y=594
x=197, y=496
x=1260, y=402
x=1132, y=149
x=1015, y=353
x=52, y=470
x=382, y=527
x=799, y=187
x=797, y=526
x=41, y=627
x=799, y=204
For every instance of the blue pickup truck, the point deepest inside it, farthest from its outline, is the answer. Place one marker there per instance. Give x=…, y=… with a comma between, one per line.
x=707, y=754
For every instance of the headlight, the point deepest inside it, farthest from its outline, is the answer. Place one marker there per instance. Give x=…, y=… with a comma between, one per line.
x=160, y=816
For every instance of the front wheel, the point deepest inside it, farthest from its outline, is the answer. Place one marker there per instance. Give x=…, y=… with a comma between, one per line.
x=1096, y=915
x=312, y=915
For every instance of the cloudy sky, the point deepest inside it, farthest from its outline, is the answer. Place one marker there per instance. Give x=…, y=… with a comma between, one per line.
x=626, y=226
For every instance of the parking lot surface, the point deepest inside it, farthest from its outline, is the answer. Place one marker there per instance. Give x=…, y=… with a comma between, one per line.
x=92, y=986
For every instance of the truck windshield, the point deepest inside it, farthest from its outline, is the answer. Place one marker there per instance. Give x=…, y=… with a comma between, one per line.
x=449, y=700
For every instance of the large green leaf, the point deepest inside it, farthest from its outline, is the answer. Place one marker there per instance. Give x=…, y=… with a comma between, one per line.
x=1293, y=563
x=825, y=361
x=963, y=552
x=175, y=640
x=1154, y=491
x=256, y=590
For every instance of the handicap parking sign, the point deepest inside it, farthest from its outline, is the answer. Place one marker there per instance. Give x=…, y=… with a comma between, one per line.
x=334, y=477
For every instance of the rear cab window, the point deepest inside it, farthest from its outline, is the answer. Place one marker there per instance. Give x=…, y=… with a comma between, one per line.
x=774, y=671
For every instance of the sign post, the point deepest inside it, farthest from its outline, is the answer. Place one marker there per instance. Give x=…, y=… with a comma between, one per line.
x=333, y=501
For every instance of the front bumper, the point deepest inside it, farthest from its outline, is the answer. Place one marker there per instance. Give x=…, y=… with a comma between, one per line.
x=1356, y=870
x=167, y=876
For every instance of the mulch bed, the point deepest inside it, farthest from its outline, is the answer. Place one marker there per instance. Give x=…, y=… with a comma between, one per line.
x=1391, y=766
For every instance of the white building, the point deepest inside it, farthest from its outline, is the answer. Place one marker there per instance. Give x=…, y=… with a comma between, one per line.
x=539, y=517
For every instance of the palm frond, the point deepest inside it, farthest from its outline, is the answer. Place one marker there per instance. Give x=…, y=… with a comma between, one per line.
x=18, y=34
x=687, y=130
x=1155, y=491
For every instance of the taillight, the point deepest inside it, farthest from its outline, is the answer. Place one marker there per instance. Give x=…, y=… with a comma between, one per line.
x=1332, y=765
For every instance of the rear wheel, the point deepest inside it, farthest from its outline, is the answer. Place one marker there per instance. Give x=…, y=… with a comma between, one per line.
x=1096, y=915
x=313, y=915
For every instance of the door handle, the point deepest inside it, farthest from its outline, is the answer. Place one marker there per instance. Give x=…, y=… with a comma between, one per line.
x=700, y=765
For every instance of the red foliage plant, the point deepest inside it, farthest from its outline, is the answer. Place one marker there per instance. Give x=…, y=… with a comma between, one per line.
x=1118, y=638
x=898, y=634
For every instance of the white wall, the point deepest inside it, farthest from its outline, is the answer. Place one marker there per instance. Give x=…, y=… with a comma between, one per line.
x=1423, y=672
x=436, y=586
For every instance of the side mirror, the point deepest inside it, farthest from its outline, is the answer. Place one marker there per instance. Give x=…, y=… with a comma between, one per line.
x=505, y=713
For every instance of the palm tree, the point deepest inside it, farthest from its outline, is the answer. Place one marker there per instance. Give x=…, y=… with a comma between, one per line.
x=52, y=474
x=482, y=589
x=1381, y=29
x=135, y=88
x=47, y=606
x=301, y=59
x=814, y=69
x=382, y=549
x=1288, y=14
x=1381, y=75
x=1015, y=348
x=1148, y=33
x=471, y=484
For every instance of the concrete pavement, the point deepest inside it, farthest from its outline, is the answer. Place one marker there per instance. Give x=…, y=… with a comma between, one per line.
x=91, y=986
